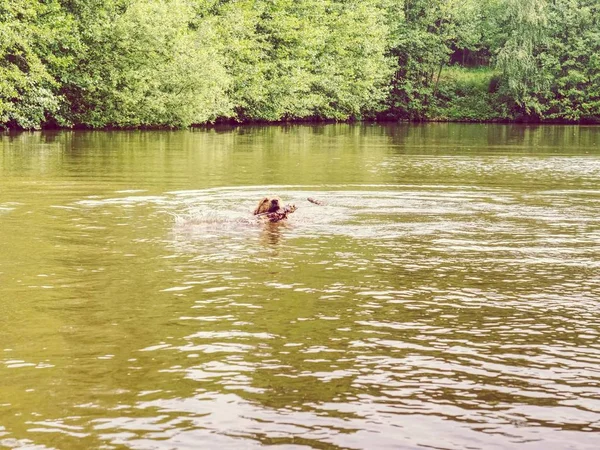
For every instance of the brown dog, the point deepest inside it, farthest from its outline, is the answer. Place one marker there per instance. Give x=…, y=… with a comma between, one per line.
x=268, y=205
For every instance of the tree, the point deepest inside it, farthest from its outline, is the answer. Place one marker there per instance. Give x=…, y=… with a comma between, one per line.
x=572, y=61
x=305, y=58
x=31, y=33
x=525, y=24
x=426, y=33
x=147, y=63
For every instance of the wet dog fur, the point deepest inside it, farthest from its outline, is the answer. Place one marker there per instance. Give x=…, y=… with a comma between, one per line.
x=268, y=205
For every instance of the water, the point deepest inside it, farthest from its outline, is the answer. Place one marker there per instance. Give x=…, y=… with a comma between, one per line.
x=446, y=296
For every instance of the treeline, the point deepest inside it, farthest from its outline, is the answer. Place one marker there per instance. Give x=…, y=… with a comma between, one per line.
x=174, y=63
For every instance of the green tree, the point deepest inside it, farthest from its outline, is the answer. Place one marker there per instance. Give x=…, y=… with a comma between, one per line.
x=572, y=61
x=549, y=60
x=32, y=34
x=305, y=58
x=526, y=24
x=425, y=34
x=147, y=63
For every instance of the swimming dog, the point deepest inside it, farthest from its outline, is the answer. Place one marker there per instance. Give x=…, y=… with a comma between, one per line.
x=272, y=209
x=268, y=205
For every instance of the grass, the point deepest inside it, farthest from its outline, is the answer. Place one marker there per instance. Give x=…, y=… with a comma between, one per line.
x=476, y=77
x=467, y=94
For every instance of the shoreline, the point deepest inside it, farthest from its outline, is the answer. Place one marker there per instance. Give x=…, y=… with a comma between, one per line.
x=235, y=124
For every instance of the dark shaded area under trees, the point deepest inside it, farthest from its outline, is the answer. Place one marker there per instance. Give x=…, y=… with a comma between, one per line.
x=175, y=63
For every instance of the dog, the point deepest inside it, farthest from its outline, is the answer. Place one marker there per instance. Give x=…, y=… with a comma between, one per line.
x=268, y=205
x=273, y=210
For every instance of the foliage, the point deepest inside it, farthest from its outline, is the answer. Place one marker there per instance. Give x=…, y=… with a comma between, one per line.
x=526, y=21
x=294, y=59
x=149, y=63
x=431, y=31
x=468, y=95
x=572, y=62
x=31, y=38
x=173, y=63
x=550, y=59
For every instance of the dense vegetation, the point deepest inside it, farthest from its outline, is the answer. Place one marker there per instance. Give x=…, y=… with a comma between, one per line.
x=102, y=63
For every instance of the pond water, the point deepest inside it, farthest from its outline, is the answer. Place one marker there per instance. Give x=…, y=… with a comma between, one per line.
x=447, y=295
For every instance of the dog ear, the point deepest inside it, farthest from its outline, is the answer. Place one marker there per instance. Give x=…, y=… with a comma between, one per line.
x=259, y=208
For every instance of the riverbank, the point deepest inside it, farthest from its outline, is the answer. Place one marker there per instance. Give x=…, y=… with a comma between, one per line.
x=236, y=124
x=461, y=95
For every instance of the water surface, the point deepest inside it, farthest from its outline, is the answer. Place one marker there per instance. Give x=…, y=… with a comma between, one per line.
x=446, y=296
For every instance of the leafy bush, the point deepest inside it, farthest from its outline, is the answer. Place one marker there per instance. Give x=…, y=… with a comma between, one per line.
x=29, y=33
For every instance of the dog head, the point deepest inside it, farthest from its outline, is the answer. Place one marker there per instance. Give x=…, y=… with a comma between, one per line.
x=267, y=205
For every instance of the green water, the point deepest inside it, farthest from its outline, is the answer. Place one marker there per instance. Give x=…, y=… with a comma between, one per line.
x=446, y=296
